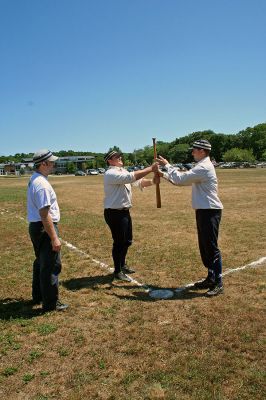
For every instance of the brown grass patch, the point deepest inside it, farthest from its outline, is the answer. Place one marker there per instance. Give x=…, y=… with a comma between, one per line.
x=115, y=342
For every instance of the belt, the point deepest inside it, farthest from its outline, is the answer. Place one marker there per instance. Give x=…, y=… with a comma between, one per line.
x=40, y=222
x=118, y=209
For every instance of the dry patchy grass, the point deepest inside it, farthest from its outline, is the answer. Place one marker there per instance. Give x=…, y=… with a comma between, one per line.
x=115, y=342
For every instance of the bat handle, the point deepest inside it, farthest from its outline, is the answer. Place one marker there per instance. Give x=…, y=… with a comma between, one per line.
x=158, y=196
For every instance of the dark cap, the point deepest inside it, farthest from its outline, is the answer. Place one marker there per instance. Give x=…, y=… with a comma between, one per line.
x=201, y=144
x=43, y=155
x=110, y=154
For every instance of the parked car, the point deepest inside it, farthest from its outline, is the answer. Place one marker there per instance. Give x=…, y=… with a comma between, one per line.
x=92, y=171
x=179, y=167
x=101, y=170
x=261, y=165
x=228, y=165
x=80, y=173
x=188, y=166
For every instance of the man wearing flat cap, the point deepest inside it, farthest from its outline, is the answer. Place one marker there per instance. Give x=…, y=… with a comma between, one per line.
x=208, y=208
x=117, y=203
x=43, y=217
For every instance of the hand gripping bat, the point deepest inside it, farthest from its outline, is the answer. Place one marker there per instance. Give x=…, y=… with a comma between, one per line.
x=158, y=193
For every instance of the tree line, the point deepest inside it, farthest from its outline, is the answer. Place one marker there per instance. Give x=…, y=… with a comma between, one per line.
x=247, y=145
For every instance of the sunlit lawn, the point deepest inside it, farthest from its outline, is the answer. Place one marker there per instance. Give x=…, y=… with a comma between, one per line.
x=115, y=342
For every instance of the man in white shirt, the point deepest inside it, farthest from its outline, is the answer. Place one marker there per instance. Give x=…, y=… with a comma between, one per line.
x=43, y=216
x=117, y=202
x=208, y=208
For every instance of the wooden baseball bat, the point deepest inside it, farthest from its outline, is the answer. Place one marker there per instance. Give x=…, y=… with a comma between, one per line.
x=158, y=193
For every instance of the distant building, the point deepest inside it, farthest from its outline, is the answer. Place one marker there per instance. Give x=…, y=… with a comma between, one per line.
x=2, y=169
x=26, y=164
x=61, y=163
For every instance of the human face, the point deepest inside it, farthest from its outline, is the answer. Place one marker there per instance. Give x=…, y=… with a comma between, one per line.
x=116, y=161
x=198, y=154
x=46, y=167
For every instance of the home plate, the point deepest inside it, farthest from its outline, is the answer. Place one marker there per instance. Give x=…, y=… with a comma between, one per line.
x=161, y=294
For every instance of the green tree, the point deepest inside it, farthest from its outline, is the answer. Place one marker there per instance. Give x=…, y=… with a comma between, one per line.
x=239, y=155
x=178, y=153
x=263, y=156
x=71, y=168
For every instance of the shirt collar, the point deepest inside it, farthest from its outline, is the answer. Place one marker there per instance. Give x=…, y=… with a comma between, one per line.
x=115, y=167
x=203, y=160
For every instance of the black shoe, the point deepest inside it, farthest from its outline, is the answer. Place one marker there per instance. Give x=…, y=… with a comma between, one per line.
x=215, y=291
x=35, y=302
x=120, y=276
x=60, y=306
x=205, y=284
x=127, y=270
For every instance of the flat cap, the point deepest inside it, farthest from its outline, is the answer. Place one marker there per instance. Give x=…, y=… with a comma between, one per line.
x=201, y=144
x=110, y=154
x=43, y=155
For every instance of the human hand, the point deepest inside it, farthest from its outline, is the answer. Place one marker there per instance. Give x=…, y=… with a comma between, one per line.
x=56, y=245
x=162, y=161
x=155, y=167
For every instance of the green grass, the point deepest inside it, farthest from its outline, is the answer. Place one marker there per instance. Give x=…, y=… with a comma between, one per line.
x=115, y=342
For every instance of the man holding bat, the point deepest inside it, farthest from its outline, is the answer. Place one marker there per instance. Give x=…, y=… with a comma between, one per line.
x=208, y=209
x=117, y=203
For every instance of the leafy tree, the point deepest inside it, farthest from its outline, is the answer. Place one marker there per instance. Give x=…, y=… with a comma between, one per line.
x=178, y=153
x=71, y=168
x=115, y=148
x=263, y=157
x=239, y=155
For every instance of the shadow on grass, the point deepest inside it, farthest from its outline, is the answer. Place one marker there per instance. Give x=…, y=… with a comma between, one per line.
x=17, y=308
x=140, y=295
x=88, y=281
x=186, y=294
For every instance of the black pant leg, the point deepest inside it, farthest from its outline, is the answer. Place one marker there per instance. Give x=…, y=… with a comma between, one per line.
x=208, y=222
x=47, y=266
x=120, y=224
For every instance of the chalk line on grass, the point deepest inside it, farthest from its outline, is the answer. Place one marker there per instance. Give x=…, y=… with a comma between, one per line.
x=99, y=263
x=253, y=264
x=162, y=292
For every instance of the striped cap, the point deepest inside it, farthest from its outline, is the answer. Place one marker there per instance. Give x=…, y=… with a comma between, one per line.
x=201, y=144
x=43, y=155
x=111, y=154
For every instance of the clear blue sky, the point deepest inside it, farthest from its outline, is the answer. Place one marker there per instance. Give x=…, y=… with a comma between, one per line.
x=87, y=75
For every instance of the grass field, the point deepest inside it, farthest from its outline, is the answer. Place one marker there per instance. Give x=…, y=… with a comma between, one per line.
x=115, y=342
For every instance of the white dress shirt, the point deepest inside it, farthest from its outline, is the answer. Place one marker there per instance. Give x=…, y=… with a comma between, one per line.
x=117, y=188
x=203, y=179
x=40, y=195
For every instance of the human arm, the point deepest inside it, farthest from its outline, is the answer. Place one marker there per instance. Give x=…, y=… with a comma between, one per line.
x=146, y=182
x=49, y=228
x=143, y=172
x=143, y=182
x=115, y=176
x=173, y=175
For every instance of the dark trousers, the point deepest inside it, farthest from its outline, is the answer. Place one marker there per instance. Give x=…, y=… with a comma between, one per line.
x=208, y=222
x=46, y=267
x=120, y=224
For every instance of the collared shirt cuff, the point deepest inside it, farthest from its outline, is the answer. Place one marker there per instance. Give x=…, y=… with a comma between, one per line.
x=133, y=175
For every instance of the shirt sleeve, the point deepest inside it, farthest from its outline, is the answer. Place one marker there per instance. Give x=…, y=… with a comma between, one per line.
x=117, y=178
x=194, y=175
x=138, y=184
x=42, y=198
